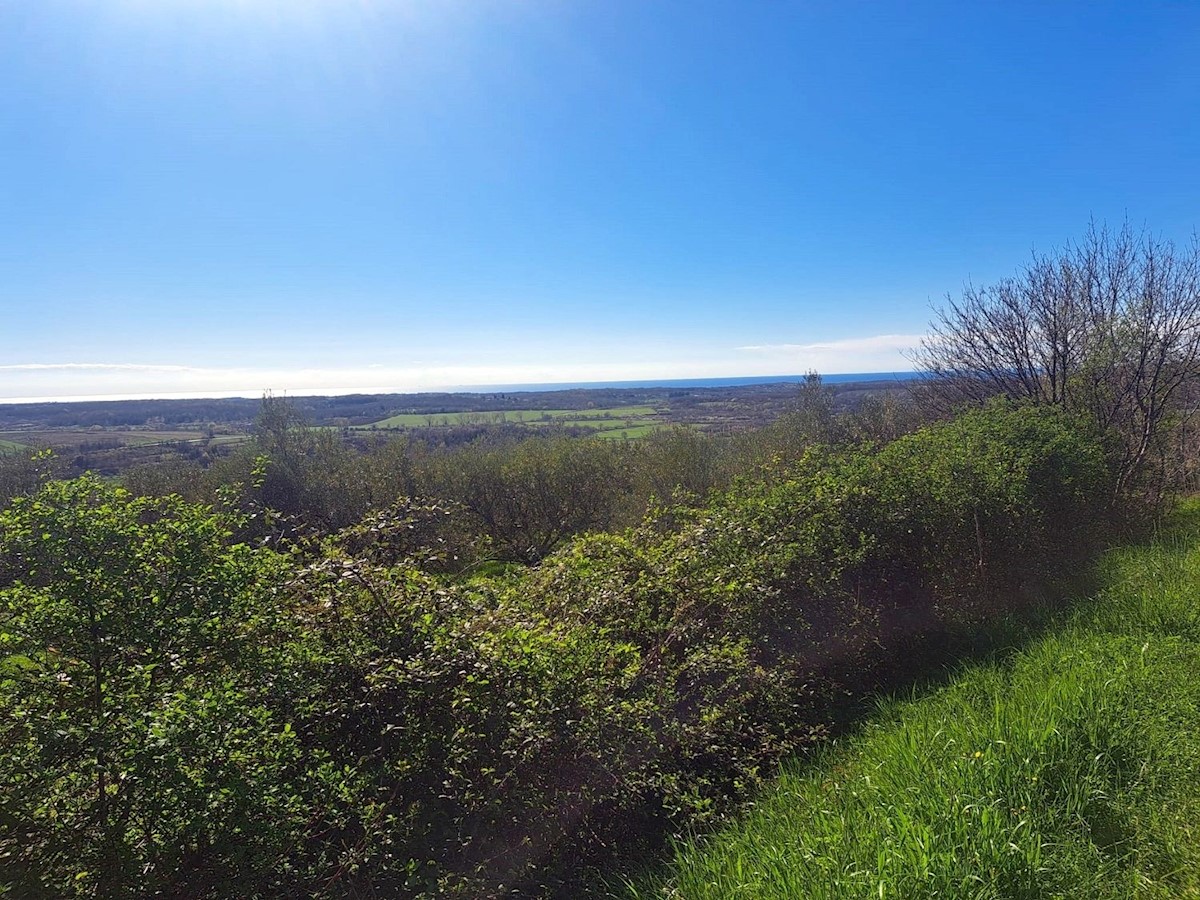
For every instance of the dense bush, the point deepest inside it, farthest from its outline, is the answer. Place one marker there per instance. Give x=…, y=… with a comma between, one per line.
x=22, y=471
x=181, y=712
x=134, y=748
x=531, y=497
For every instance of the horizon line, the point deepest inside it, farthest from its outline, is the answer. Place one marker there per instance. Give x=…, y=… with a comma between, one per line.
x=529, y=387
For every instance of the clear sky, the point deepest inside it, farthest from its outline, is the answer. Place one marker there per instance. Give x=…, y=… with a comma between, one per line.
x=220, y=196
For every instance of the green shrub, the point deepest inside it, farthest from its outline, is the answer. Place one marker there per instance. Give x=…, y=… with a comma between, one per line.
x=133, y=747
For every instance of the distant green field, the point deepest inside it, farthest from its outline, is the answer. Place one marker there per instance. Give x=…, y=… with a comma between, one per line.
x=585, y=418
x=634, y=431
x=10, y=446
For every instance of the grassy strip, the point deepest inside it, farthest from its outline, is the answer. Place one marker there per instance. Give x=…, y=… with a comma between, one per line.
x=604, y=424
x=1071, y=769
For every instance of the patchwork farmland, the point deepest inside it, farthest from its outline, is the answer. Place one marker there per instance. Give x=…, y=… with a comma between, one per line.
x=617, y=422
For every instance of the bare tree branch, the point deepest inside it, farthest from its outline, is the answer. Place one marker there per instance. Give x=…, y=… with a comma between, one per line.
x=1108, y=327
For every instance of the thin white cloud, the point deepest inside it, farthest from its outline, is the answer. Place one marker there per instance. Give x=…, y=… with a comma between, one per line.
x=872, y=353
x=874, y=344
x=99, y=367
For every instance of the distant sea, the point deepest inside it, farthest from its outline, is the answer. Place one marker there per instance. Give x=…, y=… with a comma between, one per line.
x=843, y=378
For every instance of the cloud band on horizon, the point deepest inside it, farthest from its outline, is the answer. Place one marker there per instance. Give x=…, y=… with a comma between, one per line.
x=41, y=381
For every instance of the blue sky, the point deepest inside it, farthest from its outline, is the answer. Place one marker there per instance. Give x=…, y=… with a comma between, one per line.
x=225, y=196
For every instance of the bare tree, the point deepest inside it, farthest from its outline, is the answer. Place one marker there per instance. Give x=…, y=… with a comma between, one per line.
x=1108, y=327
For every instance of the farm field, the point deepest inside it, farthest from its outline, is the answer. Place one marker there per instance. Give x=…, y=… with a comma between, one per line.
x=73, y=437
x=600, y=419
x=628, y=431
x=110, y=451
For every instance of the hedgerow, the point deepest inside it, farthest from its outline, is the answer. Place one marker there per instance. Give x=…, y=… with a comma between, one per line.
x=185, y=715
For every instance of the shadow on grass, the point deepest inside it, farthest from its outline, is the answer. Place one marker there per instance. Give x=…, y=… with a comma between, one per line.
x=921, y=666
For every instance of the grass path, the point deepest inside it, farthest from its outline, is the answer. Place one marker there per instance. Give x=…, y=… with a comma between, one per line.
x=1071, y=769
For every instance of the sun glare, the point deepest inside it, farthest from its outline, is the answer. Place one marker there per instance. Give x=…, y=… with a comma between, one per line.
x=312, y=21
x=277, y=10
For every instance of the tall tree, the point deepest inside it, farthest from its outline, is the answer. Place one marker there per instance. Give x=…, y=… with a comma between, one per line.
x=1108, y=327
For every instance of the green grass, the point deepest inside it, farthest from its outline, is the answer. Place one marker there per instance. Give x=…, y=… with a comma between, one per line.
x=1072, y=769
x=10, y=446
x=636, y=430
x=585, y=417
